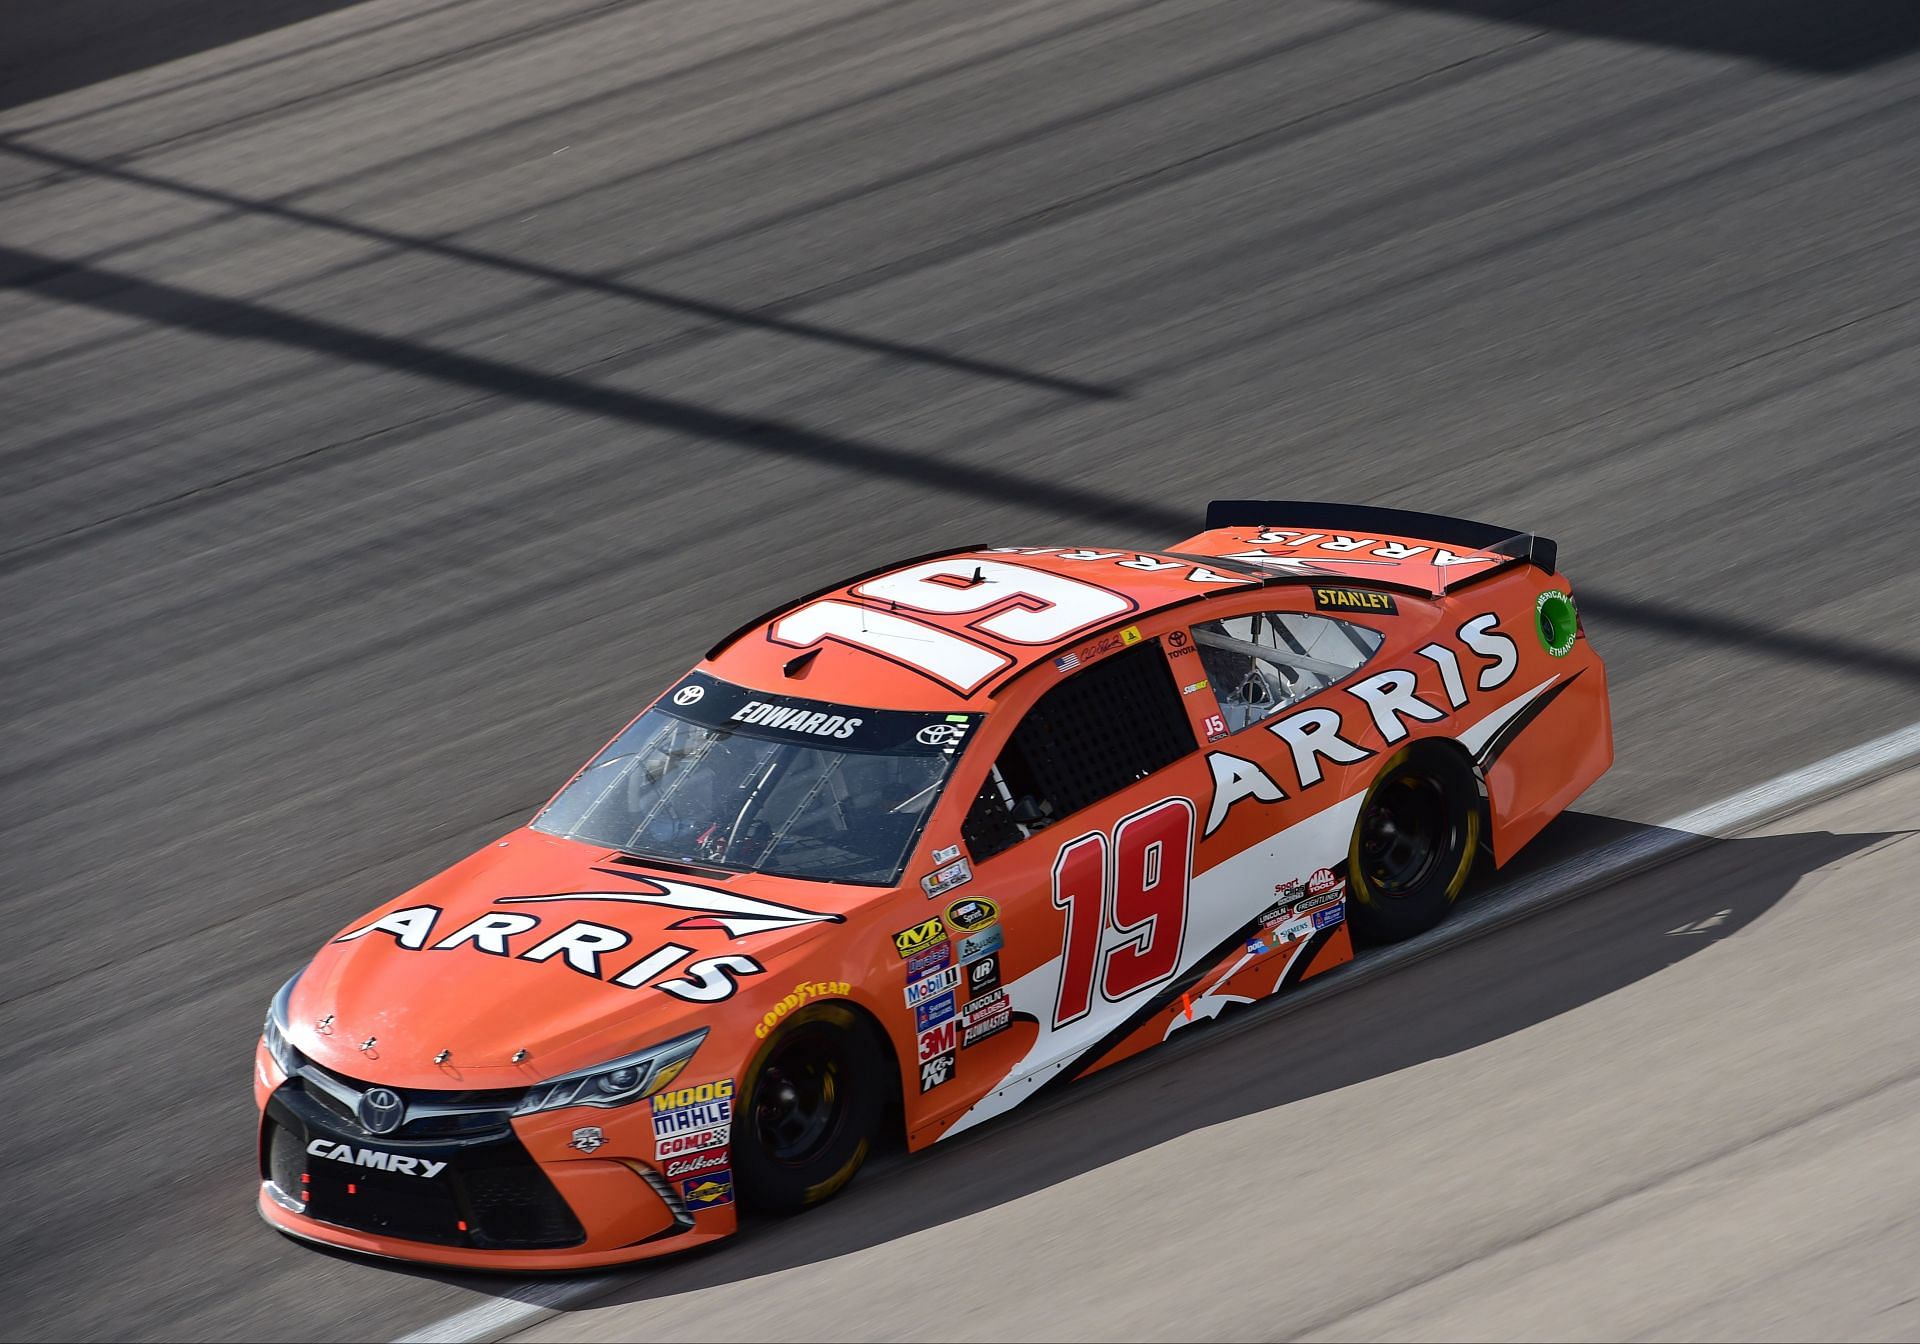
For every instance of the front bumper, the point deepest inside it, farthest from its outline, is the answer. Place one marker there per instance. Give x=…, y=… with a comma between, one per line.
x=512, y=1195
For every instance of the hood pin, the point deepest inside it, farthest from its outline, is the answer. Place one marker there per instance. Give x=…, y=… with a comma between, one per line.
x=325, y=1025
x=519, y=1055
x=443, y=1057
x=368, y=1043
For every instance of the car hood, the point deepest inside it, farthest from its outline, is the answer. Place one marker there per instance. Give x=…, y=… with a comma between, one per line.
x=399, y=997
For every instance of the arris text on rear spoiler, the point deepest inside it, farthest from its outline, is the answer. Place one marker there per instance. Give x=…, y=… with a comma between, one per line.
x=1351, y=518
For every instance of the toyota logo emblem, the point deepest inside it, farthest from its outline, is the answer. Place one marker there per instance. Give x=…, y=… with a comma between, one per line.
x=381, y=1110
x=940, y=734
x=689, y=695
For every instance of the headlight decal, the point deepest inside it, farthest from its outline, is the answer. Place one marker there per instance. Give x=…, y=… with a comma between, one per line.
x=616, y=1082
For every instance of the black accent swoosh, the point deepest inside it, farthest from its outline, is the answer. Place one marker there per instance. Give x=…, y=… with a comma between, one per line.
x=1500, y=741
x=1182, y=984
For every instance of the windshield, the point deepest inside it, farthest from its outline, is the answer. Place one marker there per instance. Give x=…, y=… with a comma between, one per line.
x=717, y=774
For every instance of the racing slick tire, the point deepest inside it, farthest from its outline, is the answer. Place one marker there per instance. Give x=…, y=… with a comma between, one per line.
x=1413, y=844
x=810, y=1110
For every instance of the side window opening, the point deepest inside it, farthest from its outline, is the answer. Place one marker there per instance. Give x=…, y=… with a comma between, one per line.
x=1102, y=729
x=1271, y=660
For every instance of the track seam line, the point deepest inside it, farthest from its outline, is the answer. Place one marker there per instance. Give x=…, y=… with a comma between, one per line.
x=1789, y=792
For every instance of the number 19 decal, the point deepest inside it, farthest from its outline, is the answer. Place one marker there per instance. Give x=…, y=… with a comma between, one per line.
x=1137, y=887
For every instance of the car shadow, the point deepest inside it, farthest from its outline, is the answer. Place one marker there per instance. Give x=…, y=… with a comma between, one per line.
x=1818, y=36
x=1466, y=995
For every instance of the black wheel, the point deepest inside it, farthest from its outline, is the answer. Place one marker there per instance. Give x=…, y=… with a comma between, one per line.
x=808, y=1114
x=1413, y=845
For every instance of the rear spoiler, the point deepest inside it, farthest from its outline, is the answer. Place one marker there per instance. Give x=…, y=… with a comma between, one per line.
x=1355, y=519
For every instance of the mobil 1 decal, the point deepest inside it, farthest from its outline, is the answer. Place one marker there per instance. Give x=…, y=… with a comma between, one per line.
x=1436, y=681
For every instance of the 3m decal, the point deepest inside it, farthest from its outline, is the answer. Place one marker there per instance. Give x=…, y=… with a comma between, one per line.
x=1355, y=599
x=971, y=914
x=1141, y=894
x=920, y=937
x=938, y=1039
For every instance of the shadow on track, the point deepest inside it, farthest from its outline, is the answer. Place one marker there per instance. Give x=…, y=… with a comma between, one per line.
x=51, y=48
x=1830, y=37
x=1271, y=1056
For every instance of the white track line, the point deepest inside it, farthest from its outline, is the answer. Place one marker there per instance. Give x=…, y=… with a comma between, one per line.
x=522, y=1305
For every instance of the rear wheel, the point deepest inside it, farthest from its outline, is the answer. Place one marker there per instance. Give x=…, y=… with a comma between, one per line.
x=1413, y=845
x=809, y=1112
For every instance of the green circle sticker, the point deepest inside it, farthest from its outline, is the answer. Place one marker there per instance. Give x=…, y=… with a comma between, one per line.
x=1557, y=622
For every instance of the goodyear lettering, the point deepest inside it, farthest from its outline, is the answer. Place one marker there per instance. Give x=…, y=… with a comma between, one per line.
x=817, y=989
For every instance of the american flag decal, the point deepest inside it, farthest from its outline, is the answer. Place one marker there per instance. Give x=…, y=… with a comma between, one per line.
x=1067, y=662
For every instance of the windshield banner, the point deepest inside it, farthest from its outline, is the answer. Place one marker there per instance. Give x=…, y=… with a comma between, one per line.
x=717, y=704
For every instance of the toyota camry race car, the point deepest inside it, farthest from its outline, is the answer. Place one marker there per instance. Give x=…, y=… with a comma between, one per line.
x=903, y=854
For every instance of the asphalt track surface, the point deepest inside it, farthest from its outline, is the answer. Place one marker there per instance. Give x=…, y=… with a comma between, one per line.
x=394, y=397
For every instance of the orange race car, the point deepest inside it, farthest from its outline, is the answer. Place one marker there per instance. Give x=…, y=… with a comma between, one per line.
x=900, y=855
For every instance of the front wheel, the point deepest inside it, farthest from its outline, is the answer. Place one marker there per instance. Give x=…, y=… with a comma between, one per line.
x=808, y=1114
x=1413, y=845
